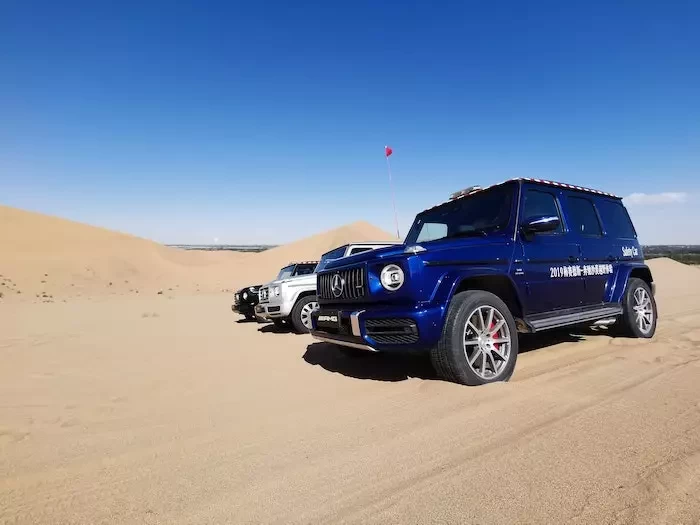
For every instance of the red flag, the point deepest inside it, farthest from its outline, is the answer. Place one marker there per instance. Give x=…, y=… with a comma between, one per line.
x=388, y=151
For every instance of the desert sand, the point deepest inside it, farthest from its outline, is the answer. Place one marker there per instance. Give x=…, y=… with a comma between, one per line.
x=126, y=407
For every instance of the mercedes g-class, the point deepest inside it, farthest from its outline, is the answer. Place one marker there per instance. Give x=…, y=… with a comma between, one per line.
x=293, y=298
x=244, y=301
x=521, y=256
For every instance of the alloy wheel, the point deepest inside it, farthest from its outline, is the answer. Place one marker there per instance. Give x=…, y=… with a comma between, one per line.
x=306, y=313
x=643, y=310
x=487, y=342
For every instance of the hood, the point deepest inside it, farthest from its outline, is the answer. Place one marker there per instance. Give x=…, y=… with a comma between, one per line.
x=247, y=288
x=371, y=255
x=296, y=280
x=461, y=248
x=495, y=248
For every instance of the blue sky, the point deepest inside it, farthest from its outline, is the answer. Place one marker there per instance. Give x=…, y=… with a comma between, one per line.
x=265, y=121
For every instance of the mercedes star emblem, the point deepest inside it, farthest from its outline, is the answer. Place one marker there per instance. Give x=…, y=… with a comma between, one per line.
x=337, y=285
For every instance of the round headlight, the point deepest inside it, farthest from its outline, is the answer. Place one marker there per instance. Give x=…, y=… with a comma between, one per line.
x=276, y=290
x=245, y=295
x=391, y=277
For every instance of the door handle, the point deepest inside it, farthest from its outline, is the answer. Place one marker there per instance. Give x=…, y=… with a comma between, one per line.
x=573, y=259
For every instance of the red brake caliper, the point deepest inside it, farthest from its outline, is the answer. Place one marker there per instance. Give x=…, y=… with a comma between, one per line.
x=495, y=345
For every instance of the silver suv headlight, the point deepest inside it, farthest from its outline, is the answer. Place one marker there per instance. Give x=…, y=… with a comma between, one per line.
x=275, y=290
x=392, y=277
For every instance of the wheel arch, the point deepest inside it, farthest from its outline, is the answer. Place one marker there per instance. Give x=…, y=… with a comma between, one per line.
x=641, y=271
x=300, y=296
x=498, y=284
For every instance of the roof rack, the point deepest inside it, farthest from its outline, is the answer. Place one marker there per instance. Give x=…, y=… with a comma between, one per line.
x=302, y=262
x=567, y=186
x=465, y=192
x=475, y=189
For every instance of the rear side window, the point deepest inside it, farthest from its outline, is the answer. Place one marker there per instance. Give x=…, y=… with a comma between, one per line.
x=616, y=220
x=541, y=204
x=582, y=217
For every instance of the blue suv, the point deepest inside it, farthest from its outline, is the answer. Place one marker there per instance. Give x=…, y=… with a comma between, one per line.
x=522, y=256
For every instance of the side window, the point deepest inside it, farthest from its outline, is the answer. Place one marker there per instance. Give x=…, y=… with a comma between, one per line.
x=431, y=231
x=616, y=220
x=359, y=250
x=582, y=217
x=541, y=204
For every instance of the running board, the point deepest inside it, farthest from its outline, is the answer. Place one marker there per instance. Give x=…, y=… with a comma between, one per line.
x=577, y=317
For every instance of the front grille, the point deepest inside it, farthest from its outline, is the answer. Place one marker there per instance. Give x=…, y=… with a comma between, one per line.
x=236, y=299
x=353, y=280
x=263, y=294
x=392, y=331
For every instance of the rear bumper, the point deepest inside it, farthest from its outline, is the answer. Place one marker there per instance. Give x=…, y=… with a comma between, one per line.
x=390, y=329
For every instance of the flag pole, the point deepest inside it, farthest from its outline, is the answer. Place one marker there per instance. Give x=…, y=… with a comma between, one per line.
x=387, y=153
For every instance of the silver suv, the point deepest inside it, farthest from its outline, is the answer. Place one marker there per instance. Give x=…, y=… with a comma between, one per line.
x=291, y=299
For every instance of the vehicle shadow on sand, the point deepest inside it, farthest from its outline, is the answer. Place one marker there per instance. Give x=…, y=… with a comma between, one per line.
x=274, y=329
x=399, y=367
x=379, y=367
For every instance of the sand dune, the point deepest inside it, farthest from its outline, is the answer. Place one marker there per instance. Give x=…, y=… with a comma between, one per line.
x=47, y=259
x=136, y=409
x=313, y=247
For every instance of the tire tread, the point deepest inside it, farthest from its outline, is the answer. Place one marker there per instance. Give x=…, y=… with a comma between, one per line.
x=450, y=366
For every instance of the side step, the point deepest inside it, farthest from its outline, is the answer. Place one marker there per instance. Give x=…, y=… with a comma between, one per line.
x=574, y=316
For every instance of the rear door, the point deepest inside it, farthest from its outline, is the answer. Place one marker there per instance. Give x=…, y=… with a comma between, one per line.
x=598, y=262
x=547, y=276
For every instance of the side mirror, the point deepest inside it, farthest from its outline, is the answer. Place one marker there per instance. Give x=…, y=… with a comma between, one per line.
x=544, y=224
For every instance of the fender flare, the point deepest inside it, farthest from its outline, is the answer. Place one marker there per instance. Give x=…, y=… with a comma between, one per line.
x=451, y=281
x=616, y=291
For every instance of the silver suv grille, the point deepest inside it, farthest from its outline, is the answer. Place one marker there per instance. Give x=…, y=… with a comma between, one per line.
x=263, y=295
x=353, y=284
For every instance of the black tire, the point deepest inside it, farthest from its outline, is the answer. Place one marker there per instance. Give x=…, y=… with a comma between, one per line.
x=628, y=325
x=250, y=317
x=301, y=312
x=449, y=357
x=279, y=323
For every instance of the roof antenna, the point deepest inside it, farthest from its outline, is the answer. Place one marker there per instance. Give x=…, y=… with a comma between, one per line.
x=387, y=153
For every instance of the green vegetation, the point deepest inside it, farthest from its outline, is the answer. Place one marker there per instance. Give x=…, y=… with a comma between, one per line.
x=228, y=247
x=687, y=254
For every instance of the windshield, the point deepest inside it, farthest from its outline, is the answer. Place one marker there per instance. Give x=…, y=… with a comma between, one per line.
x=474, y=216
x=329, y=256
x=286, y=272
x=304, y=269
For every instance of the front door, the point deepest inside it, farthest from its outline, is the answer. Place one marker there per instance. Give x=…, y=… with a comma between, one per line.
x=547, y=271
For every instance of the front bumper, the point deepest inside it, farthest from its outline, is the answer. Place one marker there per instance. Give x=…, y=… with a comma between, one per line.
x=270, y=311
x=381, y=329
x=243, y=308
